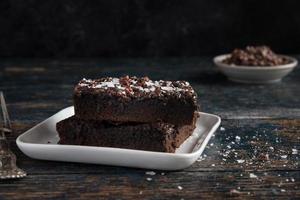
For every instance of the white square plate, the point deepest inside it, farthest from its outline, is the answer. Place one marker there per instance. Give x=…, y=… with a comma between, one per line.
x=40, y=142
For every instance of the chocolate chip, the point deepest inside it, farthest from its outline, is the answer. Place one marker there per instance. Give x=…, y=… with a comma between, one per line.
x=255, y=56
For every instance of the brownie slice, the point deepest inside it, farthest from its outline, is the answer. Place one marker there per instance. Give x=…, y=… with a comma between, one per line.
x=162, y=137
x=132, y=99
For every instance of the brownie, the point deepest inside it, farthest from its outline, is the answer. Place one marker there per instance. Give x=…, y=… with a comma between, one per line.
x=159, y=136
x=132, y=99
x=256, y=56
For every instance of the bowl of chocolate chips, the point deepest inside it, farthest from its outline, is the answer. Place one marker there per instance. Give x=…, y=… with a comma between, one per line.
x=255, y=64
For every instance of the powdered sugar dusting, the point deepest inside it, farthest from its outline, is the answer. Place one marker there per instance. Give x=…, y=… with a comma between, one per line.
x=105, y=84
x=132, y=85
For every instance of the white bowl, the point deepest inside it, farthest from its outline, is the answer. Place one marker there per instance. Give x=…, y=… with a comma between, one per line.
x=255, y=74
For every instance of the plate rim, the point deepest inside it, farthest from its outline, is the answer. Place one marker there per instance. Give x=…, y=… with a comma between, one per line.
x=20, y=142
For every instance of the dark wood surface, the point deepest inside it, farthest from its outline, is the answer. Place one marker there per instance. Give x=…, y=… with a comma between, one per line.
x=266, y=118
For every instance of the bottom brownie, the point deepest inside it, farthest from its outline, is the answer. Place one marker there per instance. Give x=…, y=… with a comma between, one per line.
x=159, y=136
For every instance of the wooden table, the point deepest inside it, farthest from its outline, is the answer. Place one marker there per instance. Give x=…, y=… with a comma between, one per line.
x=255, y=153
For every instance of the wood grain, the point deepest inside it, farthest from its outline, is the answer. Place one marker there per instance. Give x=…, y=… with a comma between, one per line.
x=254, y=155
x=174, y=185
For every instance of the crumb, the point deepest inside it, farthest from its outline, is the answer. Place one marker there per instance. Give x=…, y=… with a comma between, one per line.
x=162, y=173
x=292, y=179
x=200, y=159
x=294, y=151
x=222, y=128
x=141, y=192
x=149, y=179
x=151, y=173
x=251, y=175
x=284, y=156
x=179, y=187
x=240, y=161
x=234, y=191
x=272, y=148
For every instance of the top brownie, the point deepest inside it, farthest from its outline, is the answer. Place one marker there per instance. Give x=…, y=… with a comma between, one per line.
x=132, y=99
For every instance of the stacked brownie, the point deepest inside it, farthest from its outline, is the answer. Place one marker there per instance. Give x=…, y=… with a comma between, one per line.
x=131, y=112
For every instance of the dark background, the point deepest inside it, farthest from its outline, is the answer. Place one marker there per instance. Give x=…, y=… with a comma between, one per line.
x=145, y=28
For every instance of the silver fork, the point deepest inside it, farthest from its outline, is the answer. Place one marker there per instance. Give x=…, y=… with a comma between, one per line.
x=8, y=167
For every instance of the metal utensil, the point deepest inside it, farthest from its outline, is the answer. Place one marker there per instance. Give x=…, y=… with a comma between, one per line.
x=8, y=167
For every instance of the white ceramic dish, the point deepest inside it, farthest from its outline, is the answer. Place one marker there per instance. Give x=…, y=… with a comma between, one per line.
x=40, y=142
x=253, y=74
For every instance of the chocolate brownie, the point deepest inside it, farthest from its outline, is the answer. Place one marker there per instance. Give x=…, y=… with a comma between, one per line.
x=162, y=137
x=132, y=99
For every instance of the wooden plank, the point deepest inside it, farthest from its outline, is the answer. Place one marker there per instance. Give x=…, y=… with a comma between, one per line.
x=175, y=185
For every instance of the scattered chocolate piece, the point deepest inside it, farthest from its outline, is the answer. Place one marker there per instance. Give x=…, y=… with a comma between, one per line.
x=255, y=56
